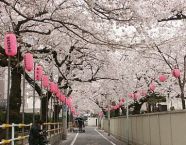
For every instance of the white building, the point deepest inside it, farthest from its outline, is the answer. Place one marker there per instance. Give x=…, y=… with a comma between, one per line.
x=92, y=121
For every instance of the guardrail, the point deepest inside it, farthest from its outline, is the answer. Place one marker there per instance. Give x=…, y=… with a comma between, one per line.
x=13, y=139
x=51, y=129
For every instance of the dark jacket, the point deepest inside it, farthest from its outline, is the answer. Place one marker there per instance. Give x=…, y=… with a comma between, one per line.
x=34, y=136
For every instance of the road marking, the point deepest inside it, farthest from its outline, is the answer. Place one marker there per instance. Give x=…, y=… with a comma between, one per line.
x=74, y=140
x=104, y=137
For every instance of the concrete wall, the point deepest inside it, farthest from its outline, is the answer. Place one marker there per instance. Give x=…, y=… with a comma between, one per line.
x=92, y=121
x=165, y=128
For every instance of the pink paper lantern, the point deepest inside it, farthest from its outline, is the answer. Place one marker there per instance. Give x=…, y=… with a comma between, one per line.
x=10, y=44
x=28, y=61
x=123, y=100
x=162, y=78
x=62, y=97
x=176, y=73
x=55, y=89
x=152, y=87
x=136, y=96
x=73, y=111
x=38, y=73
x=70, y=99
x=120, y=103
x=45, y=81
x=58, y=94
x=131, y=95
x=52, y=87
x=143, y=93
x=68, y=102
x=118, y=106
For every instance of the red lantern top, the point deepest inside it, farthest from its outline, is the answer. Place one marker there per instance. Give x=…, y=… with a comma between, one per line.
x=10, y=44
x=28, y=61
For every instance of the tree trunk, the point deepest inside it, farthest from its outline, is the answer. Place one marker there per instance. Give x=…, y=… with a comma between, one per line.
x=148, y=107
x=137, y=108
x=182, y=100
x=15, y=96
x=64, y=117
x=15, y=100
x=56, y=112
x=44, y=108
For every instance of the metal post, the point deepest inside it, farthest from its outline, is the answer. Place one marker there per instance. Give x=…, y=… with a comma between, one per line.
x=61, y=128
x=13, y=133
x=23, y=104
x=51, y=109
x=8, y=99
x=41, y=117
x=58, y=128
x=69, y=118
x=47, y=110
x=57, y=110
x=64, y=134
x=34, y=96
x=54, y=114
x=108, y=116
x=54, y=109
x=47, y=106
x=49, y=128
x=127, y=114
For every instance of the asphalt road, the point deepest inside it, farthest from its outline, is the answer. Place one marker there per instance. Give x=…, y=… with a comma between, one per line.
x=91, y=137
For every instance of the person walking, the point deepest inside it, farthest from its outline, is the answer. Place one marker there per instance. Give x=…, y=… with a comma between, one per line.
x=35, y=134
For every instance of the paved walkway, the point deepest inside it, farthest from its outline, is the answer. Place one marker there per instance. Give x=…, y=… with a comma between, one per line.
x=91, y=137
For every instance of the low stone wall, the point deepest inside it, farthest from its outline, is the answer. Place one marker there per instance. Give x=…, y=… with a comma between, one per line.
x=165, y=128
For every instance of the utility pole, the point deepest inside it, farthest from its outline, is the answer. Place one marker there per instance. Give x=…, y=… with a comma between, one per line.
x=127, y=114
x=108, y=103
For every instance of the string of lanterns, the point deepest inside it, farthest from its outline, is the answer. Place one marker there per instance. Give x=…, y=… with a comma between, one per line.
x=10, y=46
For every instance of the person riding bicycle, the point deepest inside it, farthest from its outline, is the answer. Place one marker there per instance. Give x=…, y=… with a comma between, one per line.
x=80, y=124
